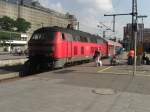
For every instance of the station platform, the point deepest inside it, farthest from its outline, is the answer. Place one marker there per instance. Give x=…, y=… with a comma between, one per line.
x=120, y=69
x=11, y=57
x=80, y=88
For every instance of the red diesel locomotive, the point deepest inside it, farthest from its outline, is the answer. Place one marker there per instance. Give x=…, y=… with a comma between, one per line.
x=53, y=47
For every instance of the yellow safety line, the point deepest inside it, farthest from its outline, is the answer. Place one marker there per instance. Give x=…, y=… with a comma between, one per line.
x=127, y=73
x=114, y=73
x=105, y=69
x=142, y=75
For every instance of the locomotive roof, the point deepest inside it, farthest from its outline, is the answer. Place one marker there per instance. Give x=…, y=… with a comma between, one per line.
x=71, y=31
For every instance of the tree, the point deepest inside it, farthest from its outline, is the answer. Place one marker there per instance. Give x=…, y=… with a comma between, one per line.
x=35, y=3
x=22, y=25
x=7, y=23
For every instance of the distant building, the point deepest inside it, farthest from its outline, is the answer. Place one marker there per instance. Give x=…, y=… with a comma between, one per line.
x=25, y=2
x=146, y=39
x=143, y=42
x=34, y=13
x=37, y=15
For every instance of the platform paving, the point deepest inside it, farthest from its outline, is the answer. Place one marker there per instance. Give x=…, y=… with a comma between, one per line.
x=76, y=89
x=126, y=70
x=80, y=88
x=11, y=57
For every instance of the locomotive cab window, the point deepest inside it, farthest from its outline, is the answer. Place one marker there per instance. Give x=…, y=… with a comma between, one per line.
x=35, y=36
x=43, y=35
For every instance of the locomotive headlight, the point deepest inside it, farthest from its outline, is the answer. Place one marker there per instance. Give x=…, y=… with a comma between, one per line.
x=53, y=48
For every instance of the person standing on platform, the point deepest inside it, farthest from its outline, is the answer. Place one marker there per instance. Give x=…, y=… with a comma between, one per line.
x=130, y=57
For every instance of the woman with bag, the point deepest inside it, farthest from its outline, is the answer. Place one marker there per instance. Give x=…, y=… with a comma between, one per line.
x=97, y=57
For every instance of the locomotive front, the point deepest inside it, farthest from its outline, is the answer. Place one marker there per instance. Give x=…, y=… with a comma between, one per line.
x=41, y=47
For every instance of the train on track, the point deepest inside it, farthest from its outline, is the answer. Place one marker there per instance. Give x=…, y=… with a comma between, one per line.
x=54, y=47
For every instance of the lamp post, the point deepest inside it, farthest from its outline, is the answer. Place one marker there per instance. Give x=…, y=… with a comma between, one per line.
x=127, y=42
x=10, y=38
x=142, y=28
x=10, y=42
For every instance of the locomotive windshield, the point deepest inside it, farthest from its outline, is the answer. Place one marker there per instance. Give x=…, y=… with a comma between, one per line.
x=43, y=35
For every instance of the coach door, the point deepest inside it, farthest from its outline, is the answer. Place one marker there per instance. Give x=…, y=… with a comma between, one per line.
x=69, y=46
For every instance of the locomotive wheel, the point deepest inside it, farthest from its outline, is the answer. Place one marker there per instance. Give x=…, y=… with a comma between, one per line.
x=29, y=68
x=25, y=69
x=43, y=67
x=33, y=68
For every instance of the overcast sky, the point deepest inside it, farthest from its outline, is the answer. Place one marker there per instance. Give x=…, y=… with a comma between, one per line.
x=90, y=12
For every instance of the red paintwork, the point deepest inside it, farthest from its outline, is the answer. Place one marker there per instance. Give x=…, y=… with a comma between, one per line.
x=66, y=49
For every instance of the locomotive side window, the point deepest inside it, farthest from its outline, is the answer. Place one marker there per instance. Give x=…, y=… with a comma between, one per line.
x=69, y=37
x=93, y=40
x=76, y=38
x=83, y=39
x=63, y=36
x=100, y=41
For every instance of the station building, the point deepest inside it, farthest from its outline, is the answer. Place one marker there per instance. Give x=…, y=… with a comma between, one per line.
x=36, y=14
x=143, y=37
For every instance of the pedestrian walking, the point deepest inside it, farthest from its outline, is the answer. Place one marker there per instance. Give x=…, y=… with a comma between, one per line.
x=144, y=58
x=97, y=57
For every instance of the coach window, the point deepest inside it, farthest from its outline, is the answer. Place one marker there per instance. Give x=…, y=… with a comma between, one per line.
x=99, y=41
x=74, y=38
x=83, y=39
x=88, y=39
x=63, y=36
x=78, y=38
x=93, y=40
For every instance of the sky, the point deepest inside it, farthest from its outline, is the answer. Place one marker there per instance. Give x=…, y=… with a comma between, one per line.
x=90, y=13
